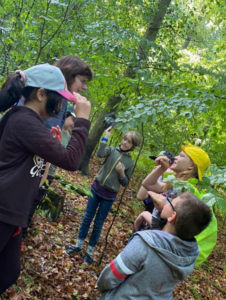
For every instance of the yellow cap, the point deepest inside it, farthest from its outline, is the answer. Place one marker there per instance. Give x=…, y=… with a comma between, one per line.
x=199, y=157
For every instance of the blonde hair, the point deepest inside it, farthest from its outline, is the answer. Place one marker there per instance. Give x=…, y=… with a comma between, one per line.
x=135, y=138
x=184, y=176
x=193, y=173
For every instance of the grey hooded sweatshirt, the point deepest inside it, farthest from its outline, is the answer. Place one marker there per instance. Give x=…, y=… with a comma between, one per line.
x=108, y=176
x=149, y=267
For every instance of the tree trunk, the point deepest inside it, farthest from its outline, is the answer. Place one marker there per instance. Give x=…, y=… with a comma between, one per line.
x=186, y=43
x=96, y=133
x=98, y=129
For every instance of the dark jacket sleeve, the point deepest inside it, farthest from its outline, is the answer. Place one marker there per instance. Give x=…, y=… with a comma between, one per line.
x=30, y=133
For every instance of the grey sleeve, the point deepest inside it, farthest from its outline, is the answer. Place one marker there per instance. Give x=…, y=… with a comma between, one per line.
x=128, y=262
x=125, y=180
x=103, y=150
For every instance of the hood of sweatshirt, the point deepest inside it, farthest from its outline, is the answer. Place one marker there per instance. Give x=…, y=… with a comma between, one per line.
x=178, y=254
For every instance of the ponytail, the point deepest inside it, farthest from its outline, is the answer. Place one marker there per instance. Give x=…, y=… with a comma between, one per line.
x=13, y=89
x=11, y=92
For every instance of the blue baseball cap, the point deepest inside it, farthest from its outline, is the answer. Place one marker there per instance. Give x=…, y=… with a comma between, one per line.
x=48, y=77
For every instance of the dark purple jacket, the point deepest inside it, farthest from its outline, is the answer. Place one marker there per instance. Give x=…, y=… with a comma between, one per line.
x=25, y=145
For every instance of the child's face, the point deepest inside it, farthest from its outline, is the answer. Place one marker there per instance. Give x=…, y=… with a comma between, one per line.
x=168, y=210
x=181, y=163
x=126, y=143
x=69, y=123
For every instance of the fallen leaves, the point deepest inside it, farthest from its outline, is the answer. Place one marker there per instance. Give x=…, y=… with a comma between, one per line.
x=48, y=273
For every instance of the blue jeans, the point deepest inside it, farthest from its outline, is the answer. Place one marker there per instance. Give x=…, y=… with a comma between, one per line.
x=99, y=206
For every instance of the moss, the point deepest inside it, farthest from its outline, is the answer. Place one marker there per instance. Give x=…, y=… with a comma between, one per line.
x=195, y=294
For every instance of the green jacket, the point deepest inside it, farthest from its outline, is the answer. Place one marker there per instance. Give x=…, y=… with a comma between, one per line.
x=108, y=176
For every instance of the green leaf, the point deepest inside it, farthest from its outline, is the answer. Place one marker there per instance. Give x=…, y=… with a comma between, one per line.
x=209, y=199
x=221, y=203
x=193, y=181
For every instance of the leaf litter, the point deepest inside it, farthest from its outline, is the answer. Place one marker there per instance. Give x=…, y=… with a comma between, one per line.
x=48, y=273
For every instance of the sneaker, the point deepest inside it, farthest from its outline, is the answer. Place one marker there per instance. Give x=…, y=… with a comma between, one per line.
x=73, y=249
x=87, y=259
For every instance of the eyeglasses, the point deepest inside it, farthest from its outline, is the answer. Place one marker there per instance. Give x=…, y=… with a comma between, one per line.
x=170, y=202
x=83, y=81
x=173, y=207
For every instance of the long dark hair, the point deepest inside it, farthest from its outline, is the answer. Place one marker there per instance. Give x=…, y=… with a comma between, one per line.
x=71, y=66
x=13, y=89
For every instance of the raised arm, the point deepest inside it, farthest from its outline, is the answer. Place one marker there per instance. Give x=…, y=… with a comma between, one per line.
x=142, y=194
x=103, y=150
x=145, y=217
x=158, y=200
x=31, y=134
x=151, y=183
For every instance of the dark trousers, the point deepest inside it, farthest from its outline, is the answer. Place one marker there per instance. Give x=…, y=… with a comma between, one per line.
x=9, y=255
x=149, y=205
x=37, y=201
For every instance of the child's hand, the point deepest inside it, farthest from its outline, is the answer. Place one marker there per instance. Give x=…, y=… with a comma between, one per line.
x=145, y=218
x=108, y=132
x=56, y=133
x=120, y=168
x=158, y=200
x=82, y=107
x=163, y=161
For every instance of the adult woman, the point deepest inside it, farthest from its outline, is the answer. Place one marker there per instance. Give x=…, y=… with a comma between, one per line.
x=25, y=146
x=77, y=73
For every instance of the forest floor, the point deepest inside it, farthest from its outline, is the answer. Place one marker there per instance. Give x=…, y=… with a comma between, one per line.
x=48, y=273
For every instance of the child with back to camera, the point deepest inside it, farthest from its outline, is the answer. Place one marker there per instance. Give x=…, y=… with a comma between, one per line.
x=115, y=171
x=154, y=261
x=65, y=137
x=77, y=74
x=25, y=146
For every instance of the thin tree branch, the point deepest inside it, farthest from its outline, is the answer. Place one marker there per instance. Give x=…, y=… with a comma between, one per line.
x=42, y=46
x=29, y=11
x=42, y=31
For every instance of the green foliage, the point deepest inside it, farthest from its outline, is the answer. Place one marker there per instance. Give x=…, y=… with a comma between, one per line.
x=201, y=189
x=75, y=189
x=172, y=86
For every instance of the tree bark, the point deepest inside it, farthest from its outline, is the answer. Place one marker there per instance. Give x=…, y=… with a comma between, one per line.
x=142, y=51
